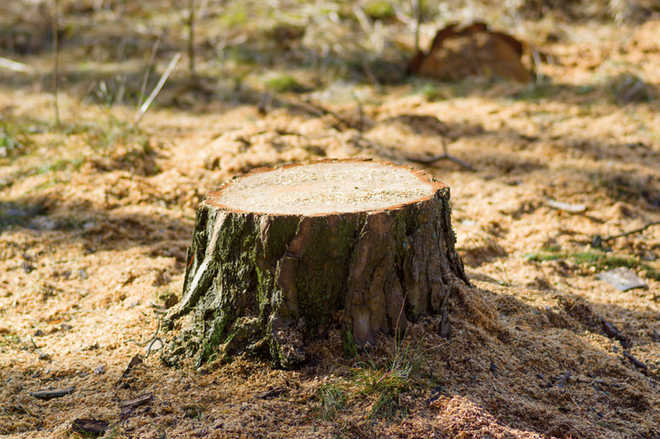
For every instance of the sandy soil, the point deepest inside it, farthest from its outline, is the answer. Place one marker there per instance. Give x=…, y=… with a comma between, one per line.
x=96, y=219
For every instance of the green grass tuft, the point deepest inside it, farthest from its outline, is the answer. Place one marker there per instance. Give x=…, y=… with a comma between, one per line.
x=379, y=10
x=599, y=260
x=332, y=400
x=390, y=381
x=432, y=92
x=9, y=339
x=348, y=344
x=537, y=91
x=284, y=84
x=235, y=17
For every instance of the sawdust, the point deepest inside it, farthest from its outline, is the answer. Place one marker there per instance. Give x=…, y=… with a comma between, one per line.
x=84, y=278
x=321, y=188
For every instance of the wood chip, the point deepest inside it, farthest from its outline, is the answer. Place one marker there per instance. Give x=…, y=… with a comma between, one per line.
x=566, y=207
x=126, y=407
x=52, y=393
x=132, y=403
x=93, y=427
x=135, y=361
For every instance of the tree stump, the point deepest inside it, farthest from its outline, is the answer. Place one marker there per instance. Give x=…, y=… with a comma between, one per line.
x=279, y=256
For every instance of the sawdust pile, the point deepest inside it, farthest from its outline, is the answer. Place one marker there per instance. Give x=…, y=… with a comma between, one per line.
x=460, y=52
x=93, y=245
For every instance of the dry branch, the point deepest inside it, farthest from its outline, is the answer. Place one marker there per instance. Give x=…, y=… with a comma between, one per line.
x=166, y=74
x=444, y=156
x=14, y=66
x=631, y=232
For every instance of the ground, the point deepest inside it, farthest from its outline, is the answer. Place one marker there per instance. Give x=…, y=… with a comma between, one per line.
x=96, y=214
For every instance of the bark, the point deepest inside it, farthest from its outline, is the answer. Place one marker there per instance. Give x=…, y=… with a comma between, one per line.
x=265, y=283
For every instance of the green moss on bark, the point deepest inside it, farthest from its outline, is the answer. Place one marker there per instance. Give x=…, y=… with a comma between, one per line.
x=256, y=281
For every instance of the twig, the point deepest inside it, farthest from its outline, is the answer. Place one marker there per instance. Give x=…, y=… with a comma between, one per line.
x=324, y=111
x=418, y=22
x=613, y=332
x=50, y=394
x=191, y=38
x=635, y=362
x=444, y=156
x=56, y=66
x=166, y=74
x=536, y=63
x=631, y=232
x=362, y=142
x=436, y=158
x=14, y=66
x=150, y=66
x=150, y=343
x=360, y=125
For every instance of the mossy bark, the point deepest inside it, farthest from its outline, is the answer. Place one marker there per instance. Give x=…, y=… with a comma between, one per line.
x=268, y=283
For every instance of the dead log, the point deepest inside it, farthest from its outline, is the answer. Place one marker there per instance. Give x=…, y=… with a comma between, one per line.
x=279, y=256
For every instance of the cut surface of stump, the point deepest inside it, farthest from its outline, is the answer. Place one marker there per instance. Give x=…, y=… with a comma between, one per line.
x=281, y=256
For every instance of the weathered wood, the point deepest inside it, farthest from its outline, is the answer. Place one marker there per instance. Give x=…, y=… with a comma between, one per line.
x=52, y=393
x=127, y=407
x=279, y=258
x=90, y=427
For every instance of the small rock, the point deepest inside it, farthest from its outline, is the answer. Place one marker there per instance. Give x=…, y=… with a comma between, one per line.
x=83, y=274
x=43, y=223
x=100, y=369
x=622, y=279
x=628, y=87
x=27, y=267
x=39, y=333
x=649, y=256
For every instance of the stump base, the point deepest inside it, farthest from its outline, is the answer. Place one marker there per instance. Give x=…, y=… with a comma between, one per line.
x=269, y=280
